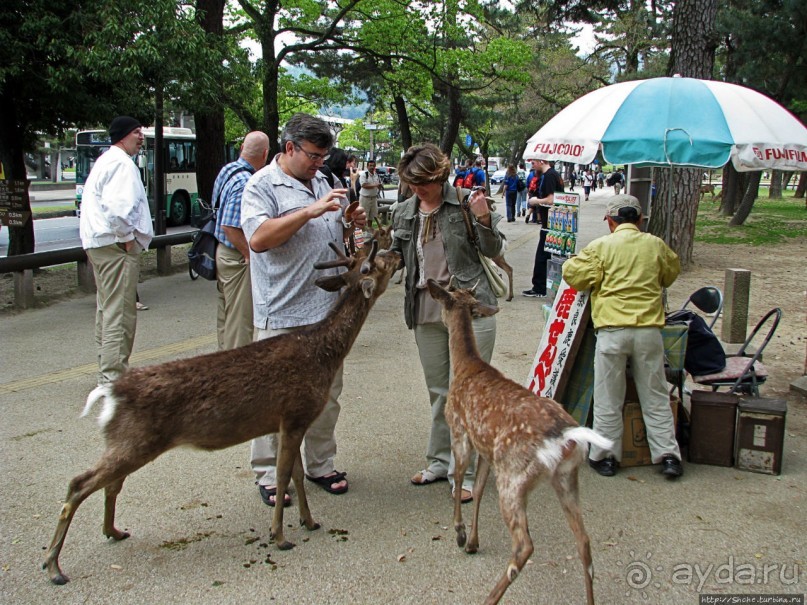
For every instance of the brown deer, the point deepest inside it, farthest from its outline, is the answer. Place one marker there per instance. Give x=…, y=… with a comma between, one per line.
x=710, y=189
x=278, y=385
x=524, y=437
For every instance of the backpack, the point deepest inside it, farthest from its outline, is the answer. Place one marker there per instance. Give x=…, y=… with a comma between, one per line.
x=704, y=353
x=470, y=179
x=611, y=180
x=202, y=253
x=458, y=180
x=521, y=185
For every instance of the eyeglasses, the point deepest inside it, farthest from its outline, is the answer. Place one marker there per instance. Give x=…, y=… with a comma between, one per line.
x=314, y=157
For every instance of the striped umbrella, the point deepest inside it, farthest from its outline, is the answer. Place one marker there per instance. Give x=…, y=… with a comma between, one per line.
x=675, y=122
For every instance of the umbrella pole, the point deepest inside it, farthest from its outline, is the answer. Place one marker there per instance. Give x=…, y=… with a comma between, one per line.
x=668, y=237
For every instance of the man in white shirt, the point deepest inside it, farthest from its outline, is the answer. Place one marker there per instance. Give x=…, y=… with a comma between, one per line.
x=115, y=228
x=370, y=188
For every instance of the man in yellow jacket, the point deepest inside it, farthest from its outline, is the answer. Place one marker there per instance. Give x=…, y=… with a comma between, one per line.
x=626, y=272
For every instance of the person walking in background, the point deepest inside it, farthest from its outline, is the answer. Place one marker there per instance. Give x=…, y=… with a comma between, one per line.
x=431, y=236
x=351, y=176
x=511, y=192
x=600, y=179
x=572, y=179
x=289, y=214
x=549, y=183
x=115, y=227
x=626, y=273
x=370, y=189
x=234, y=312
x=588, y=181
x=521, y=198
x=533, y=178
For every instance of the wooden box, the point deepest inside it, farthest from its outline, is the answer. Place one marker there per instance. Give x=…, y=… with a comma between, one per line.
x=712, y=423
x=760, y=436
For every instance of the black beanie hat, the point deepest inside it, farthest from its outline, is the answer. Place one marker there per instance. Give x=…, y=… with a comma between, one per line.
x=120, y=127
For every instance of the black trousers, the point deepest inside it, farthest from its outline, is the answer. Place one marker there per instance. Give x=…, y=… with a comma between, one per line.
x=539, y=268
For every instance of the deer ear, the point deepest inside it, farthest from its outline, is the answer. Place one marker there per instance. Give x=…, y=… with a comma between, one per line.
x=367, y=288
x=331, y=283
x=438, y=293
x=480, y=310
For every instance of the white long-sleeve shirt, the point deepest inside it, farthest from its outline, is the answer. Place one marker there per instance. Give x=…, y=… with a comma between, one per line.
x=114, y=207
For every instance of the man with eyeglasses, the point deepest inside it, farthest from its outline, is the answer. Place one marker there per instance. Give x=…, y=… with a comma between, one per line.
x=289, y=213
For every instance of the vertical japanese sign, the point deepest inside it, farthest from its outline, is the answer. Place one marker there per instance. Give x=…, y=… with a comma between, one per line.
x=562, y=332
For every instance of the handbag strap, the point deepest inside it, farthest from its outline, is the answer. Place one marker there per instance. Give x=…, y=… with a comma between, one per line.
x=463, y=202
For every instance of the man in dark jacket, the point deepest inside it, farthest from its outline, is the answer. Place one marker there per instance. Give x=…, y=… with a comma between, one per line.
x=549, y=182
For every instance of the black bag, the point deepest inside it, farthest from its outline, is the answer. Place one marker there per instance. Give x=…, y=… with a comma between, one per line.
x=202, y=253
x=521, y=185
x=704, y=354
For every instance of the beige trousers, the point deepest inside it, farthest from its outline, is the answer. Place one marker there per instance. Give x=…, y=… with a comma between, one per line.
x=116, y=274
x=234, y=313
x=644, y=348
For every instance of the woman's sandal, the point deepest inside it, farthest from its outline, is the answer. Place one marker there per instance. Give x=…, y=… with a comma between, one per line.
x=426, y=477
x=327, y=481
x=463, y=498
x=269, y=496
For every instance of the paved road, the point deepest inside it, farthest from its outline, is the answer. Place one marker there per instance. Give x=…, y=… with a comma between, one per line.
x=200, y=531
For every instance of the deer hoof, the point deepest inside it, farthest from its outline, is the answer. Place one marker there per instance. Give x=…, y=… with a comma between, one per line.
x=285, y=545
x=57, y=577
x=461, y=537
x=471, y=548
x=118, y=535
x=310, y=526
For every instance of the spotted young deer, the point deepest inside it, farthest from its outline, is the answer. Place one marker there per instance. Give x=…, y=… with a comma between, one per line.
x=522, y=436
x=278, y=385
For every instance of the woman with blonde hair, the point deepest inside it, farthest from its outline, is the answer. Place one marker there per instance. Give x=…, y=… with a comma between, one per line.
x=431, y=236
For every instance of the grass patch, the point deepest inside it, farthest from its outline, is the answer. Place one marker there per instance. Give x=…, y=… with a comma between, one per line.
x=771, y=222
x=55, y=208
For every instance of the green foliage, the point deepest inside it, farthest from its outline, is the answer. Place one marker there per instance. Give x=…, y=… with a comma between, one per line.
x=772, y=222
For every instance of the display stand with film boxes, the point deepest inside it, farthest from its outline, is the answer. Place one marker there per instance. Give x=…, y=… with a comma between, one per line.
x=561, y=237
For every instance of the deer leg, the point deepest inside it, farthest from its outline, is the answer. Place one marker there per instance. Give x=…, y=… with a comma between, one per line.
x=298, y=477
x=482, y=472
x=289, y=451
x=102, y=474
x=513, y=503
x=461, y=446
x=501, y=262
x=112, y=490
x=565, y=484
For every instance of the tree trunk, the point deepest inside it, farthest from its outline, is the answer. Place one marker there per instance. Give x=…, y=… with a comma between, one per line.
x=693, y=51
x=209, y=122
x=801, y=187
x=12, y=155
x=403, y=121
x=734, y=184
x=681, y=210
x=751, y=192
x=775, y=187
x=454, y=116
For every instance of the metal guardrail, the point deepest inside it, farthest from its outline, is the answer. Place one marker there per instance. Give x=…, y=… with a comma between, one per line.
x=22, y=265
x=36, y=260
